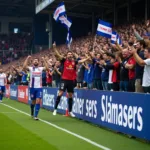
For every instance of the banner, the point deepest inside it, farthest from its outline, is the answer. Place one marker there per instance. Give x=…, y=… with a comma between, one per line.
x=104, y=29
x=23, y=94
x=49, y=97
x=14, y=92
x=7, y=91
x=113, y=37
x=127, y=113
x=60, y=11
x=119, y=111
x=65, y=21
x=119, y=41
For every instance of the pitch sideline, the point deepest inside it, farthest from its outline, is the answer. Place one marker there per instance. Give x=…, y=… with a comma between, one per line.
x=62, y=129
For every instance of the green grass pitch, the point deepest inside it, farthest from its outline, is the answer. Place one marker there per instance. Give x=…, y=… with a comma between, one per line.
x=20, y=132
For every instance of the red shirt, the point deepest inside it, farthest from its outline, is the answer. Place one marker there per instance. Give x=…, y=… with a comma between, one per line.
x=116, y=71
x=132, y=61
x=48, y=77
x=69, y=69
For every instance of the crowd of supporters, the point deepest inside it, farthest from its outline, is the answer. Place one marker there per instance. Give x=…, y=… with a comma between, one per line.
x=13, y=46
x=111, y=67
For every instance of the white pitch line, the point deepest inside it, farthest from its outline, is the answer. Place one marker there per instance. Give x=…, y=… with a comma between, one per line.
x=62, y=129
x=9, y=112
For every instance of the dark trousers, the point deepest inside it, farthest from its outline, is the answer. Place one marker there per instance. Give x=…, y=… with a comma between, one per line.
x=49, y=84
x=124, y=86
x=110, y=86
x=98, y=84
x=132, y=85
x=146, y=89
x=116, y=86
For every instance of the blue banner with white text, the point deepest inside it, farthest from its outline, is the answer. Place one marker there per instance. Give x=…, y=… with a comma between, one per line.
x=14, y=92
x=123, y=112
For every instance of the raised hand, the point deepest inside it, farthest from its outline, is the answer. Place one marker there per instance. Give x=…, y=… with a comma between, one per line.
x=29, y=56
x=133, y=26
x=147, y=23
x=54, y=45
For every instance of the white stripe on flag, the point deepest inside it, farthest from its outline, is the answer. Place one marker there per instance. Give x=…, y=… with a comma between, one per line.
x=104, y=29
x=59, y=10
x=64, y=20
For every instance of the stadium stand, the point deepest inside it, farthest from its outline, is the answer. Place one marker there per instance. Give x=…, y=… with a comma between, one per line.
x=14, y=46
x=101, y=48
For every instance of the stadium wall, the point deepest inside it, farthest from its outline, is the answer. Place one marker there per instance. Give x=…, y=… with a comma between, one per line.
x=6, y=20
x=123, y=112
x=41, y=36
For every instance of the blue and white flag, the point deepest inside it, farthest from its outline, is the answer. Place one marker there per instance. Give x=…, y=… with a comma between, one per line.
x=104, y=29
x=60, y=11
x=65, y=21
x=69, y=39
x=114, y=37
x=119, y=41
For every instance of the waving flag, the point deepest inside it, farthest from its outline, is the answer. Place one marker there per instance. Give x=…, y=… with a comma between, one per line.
x=69, y=39
x=60, y=11
x=119, y=41
x=65, y=21
x=104, y=29
x=113, y=37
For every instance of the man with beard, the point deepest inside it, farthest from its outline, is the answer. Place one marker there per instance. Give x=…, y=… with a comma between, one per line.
x=35, y=84
x=3, y=82
x=67, y=78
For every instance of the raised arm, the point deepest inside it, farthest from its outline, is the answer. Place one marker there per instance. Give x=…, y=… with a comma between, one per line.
x=55, y=68
x=84, y=60
x=56, y=52
x=118, y=47
x=25, y=65
x=137, y=35
x=91, y=55
x=14, y=68
x=85, y=66
x=76, y=55
x=45, y=64
x=138, y=59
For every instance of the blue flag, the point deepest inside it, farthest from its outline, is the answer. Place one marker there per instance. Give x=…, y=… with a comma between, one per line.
x=113, y=37
x=104, y=29
x=69, y=39
x=65, y=21
x=60, y=11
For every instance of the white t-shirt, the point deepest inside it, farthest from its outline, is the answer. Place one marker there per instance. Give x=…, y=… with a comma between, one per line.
x=2, y=79
x=36, y=77
x=146, y=75
x=110, y=76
